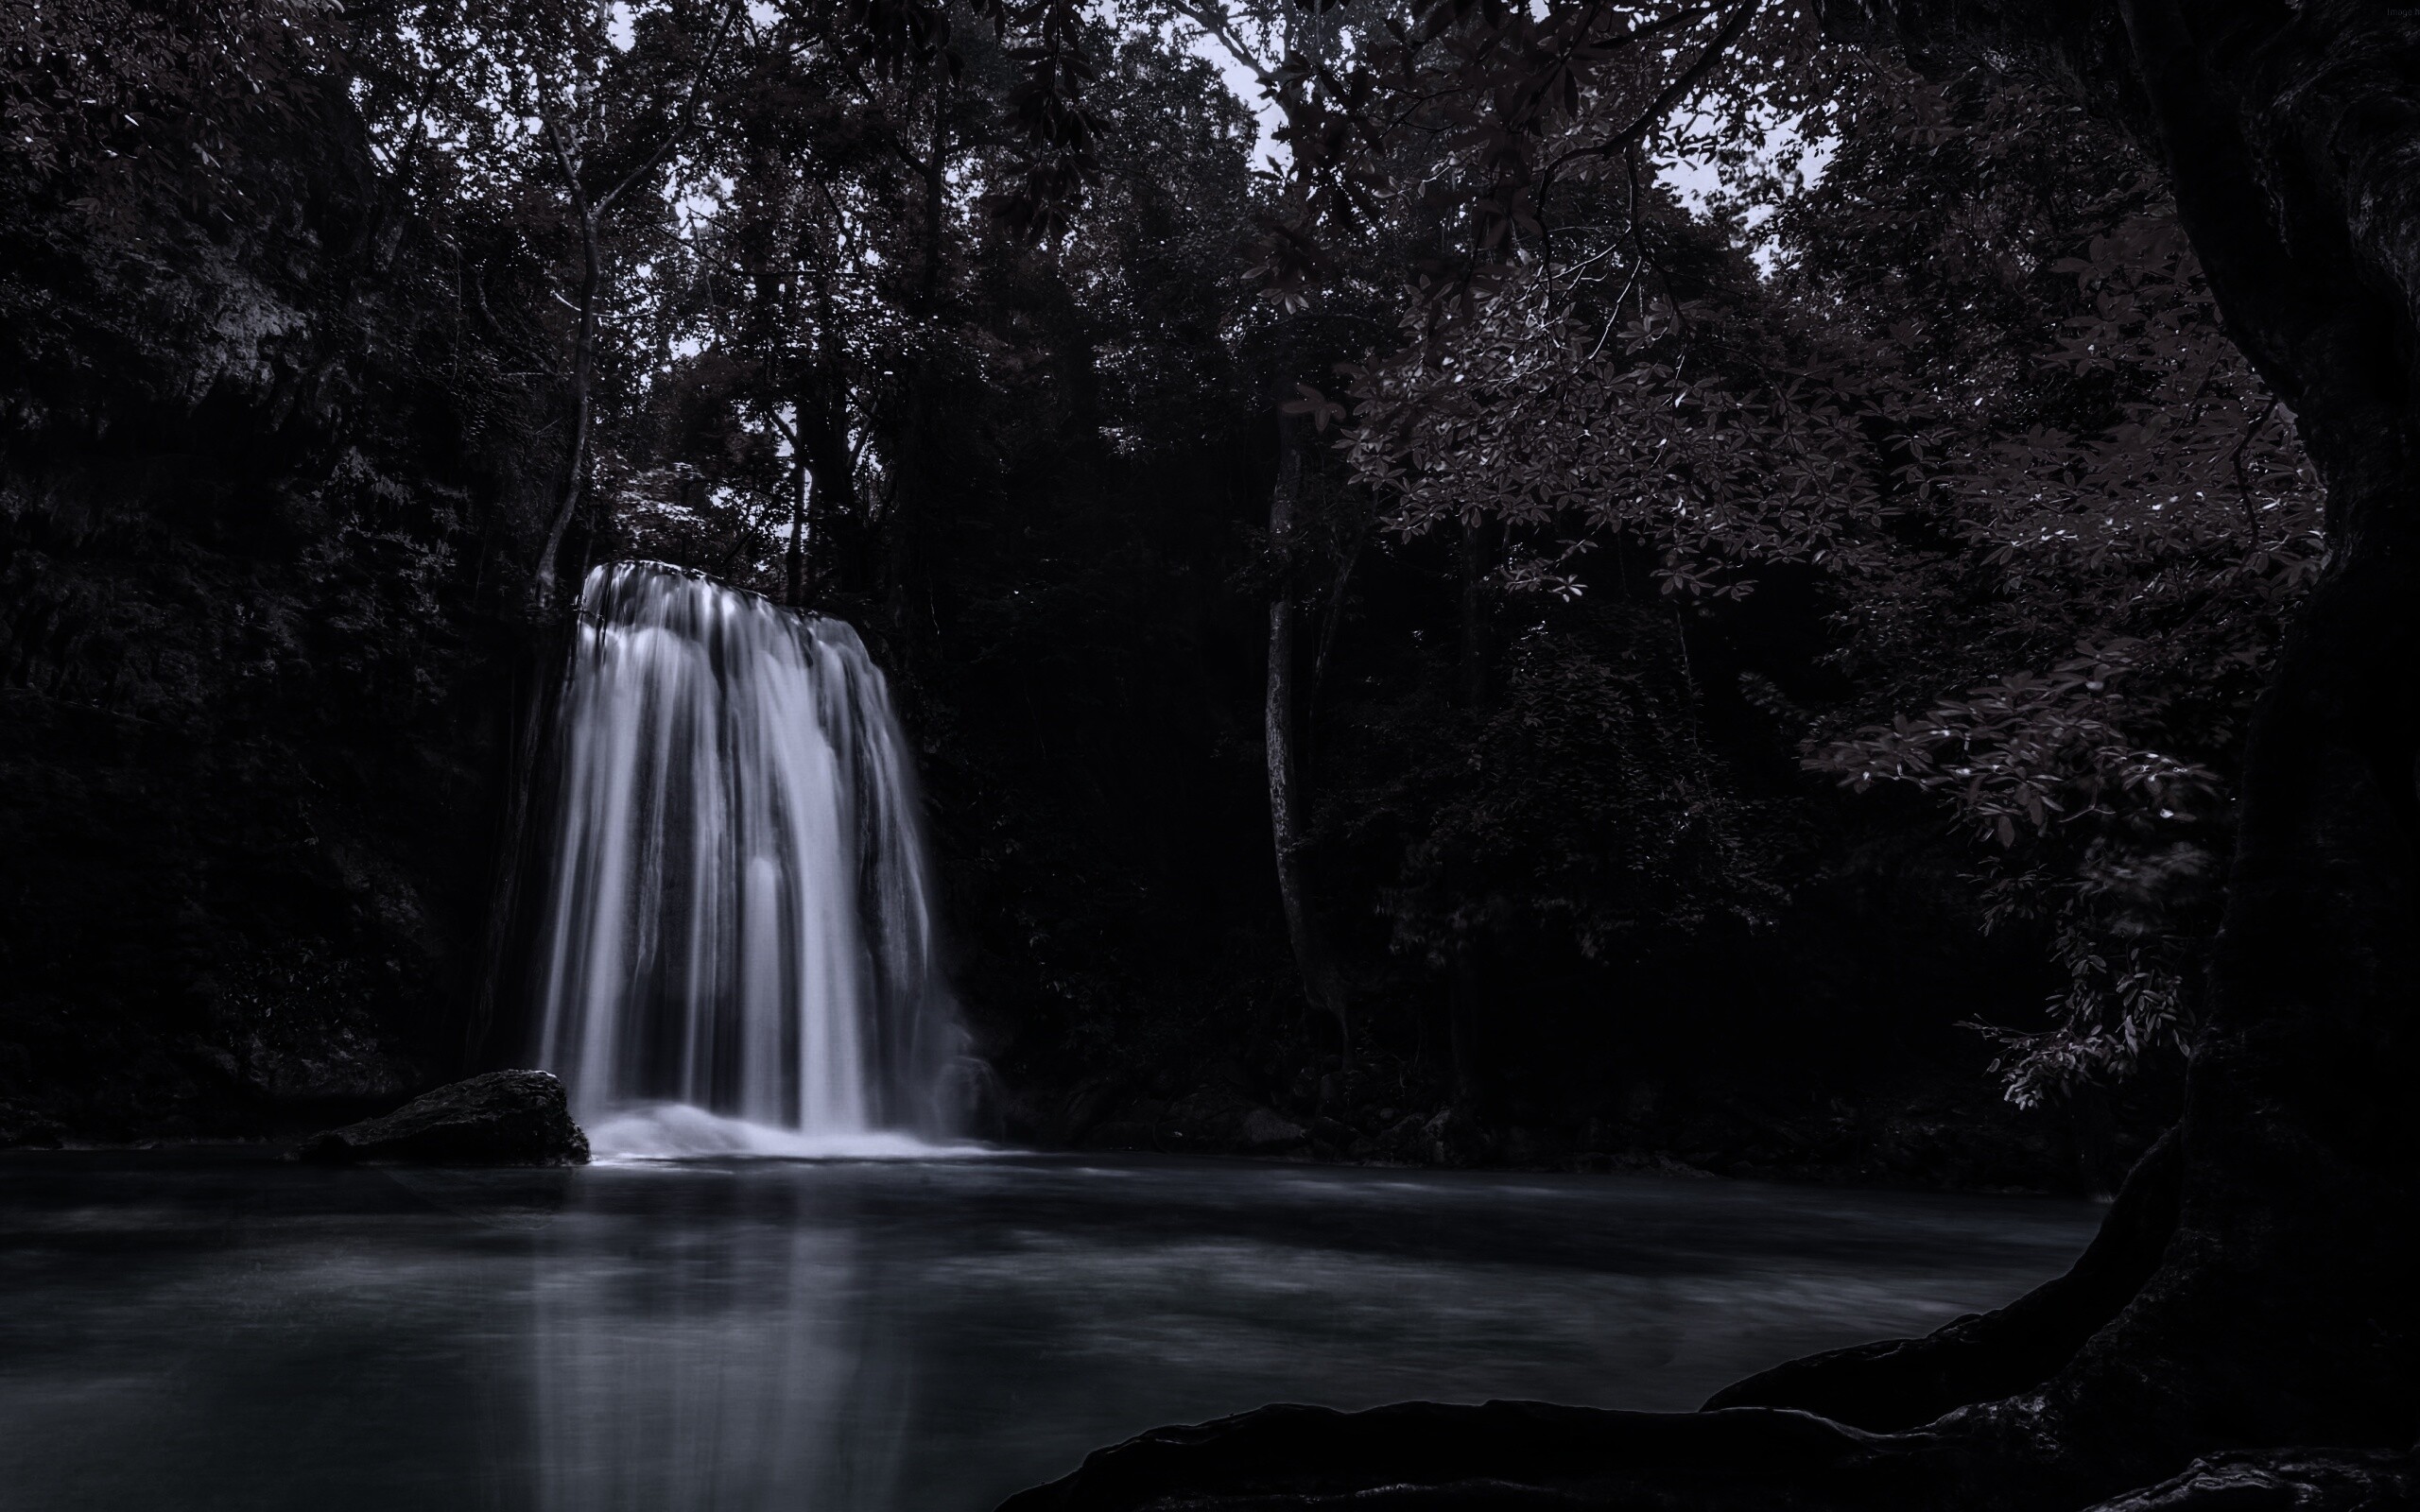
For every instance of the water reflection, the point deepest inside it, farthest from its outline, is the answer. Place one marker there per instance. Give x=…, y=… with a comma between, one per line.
x=728, y=1362
x=497, y=1199
x=869, y=1337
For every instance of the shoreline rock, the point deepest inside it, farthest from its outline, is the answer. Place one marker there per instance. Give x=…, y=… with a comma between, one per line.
x=499, y=1118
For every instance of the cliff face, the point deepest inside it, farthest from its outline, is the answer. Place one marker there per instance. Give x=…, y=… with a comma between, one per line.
x=249, y=669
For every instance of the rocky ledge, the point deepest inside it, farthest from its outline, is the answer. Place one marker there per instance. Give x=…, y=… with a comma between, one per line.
x=501, y=1118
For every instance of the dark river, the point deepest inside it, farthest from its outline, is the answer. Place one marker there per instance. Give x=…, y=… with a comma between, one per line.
x=214, y=1329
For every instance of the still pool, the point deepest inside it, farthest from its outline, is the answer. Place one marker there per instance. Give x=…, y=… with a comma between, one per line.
x=208, y=1329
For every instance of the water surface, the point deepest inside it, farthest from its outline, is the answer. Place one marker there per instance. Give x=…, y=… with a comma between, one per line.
x=208, y=1330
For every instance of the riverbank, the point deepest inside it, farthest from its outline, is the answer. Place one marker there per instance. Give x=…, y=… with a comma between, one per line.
x=1935, y=1136
x=1939, y=1133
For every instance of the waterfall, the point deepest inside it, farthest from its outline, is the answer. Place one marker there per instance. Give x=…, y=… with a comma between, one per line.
x=738, y=915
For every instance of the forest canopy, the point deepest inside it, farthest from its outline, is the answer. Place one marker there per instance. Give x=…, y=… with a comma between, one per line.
x=1791, y=588
x=1570, y=488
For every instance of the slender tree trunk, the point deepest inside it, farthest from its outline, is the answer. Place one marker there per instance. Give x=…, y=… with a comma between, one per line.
x=794, y=559
x=936, y=188
x=901, y=542
x=589, y=207
x=828, y=560
x=1331, y=614
x=823, y=404
x=1476, y=662
x=1465, y=1024
x=898, y=549
x=1466, y=986
x=1320, y=983
x=533, y=699
x=532, y=694
x=582, y=405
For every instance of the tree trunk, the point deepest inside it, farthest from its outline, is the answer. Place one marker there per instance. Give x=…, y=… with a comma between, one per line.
x=1474, y=663
x=826, y=560
x=2284, y=1310
x=582, y=405
x=936, y=188
x=1319, y=981
x=901, y=543
x=1901, y=1384
x=822, y=402
x=1331, y=614
x=1466, y=1020
x=533, y=695
x=1466, y=1026
x=794, y=558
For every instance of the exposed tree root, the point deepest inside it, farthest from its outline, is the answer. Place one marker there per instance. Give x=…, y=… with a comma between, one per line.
x=2092, y=1387
x=1533, y=1457
x=2284, y=1481
x=1511, y=1456
x=1899, y=1383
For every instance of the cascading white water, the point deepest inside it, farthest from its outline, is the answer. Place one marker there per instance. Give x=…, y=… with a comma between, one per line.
x=738, y=917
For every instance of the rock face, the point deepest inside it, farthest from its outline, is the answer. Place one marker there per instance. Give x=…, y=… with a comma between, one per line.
x=501, y=1118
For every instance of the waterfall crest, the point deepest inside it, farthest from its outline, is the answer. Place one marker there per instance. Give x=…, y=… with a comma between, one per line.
x=738, y=914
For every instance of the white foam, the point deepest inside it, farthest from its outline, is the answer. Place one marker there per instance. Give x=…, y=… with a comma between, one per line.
x=677, y=1131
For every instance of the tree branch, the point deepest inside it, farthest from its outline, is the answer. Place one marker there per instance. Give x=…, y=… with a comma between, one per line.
x=687, y=117
x=1674, y=93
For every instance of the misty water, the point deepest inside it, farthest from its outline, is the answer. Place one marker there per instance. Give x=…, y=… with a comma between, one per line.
x=737, y=911
x=213, y=1329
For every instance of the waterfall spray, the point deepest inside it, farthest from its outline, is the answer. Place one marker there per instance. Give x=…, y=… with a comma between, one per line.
x=739, y=915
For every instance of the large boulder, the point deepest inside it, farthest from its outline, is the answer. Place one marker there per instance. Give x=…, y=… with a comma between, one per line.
x=501, y=1118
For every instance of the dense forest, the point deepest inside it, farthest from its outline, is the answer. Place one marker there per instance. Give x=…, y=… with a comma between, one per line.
x=1753, y=641
x=1820, y=591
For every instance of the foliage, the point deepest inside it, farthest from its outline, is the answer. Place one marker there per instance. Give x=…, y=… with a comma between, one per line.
x=1584, y=806
x=2139, y=520
x=1988, y=399
x=977, y=325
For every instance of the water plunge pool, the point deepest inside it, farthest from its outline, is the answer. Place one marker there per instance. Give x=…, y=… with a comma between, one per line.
x=205, y=1329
